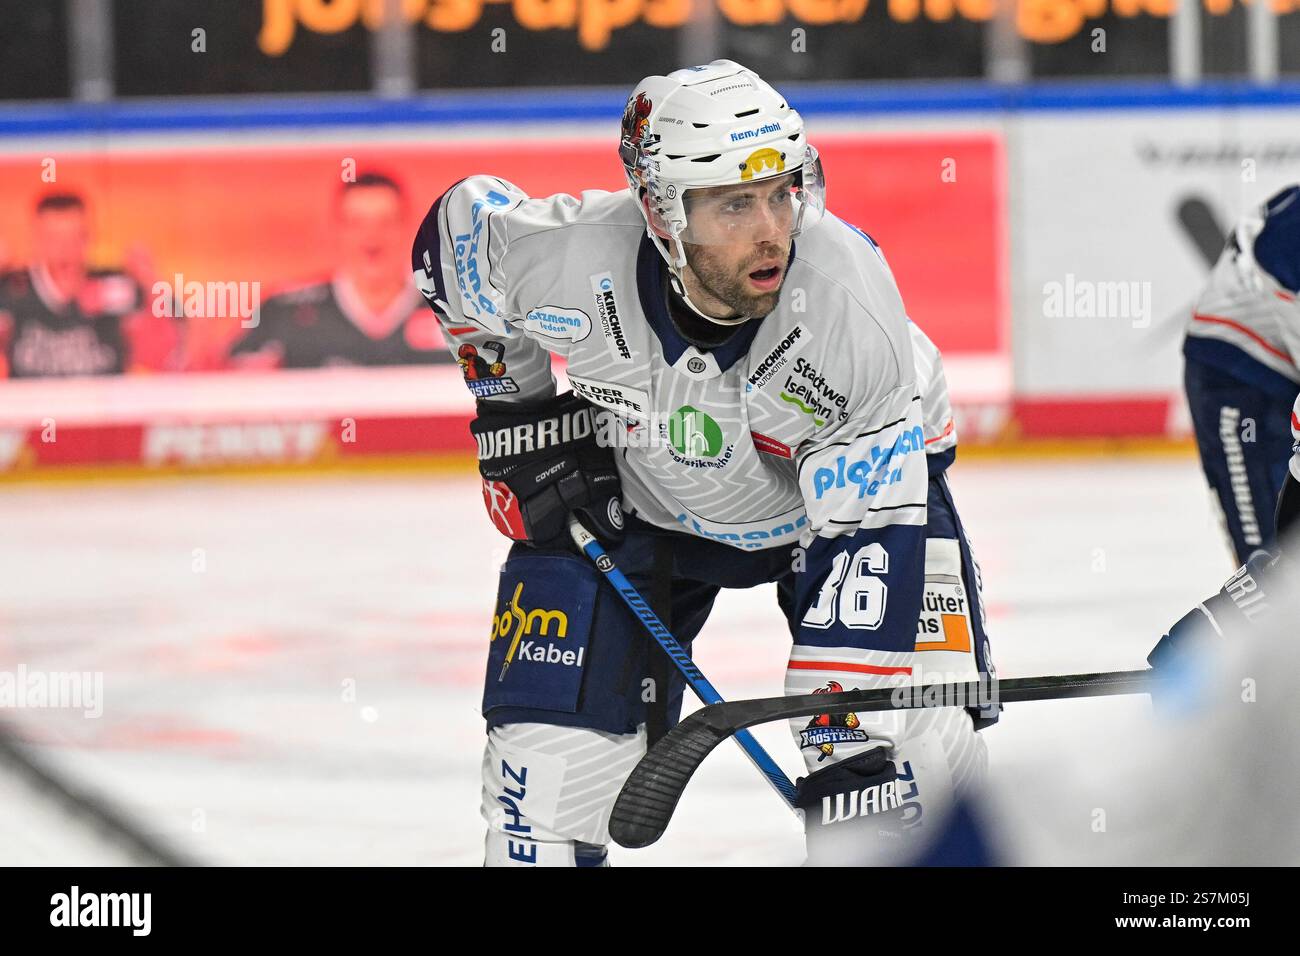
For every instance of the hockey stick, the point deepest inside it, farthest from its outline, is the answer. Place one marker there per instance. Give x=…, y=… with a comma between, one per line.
x=589, y=546
x=650, y=794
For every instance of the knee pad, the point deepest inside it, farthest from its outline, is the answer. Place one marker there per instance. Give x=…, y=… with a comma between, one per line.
x=548, y=791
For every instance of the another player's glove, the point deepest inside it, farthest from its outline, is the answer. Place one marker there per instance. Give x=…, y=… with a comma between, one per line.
x=539, y=462
x=1241, y=605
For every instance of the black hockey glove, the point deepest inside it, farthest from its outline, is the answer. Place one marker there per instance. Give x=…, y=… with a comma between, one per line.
x=1240, y=606
x=852, y=810
x=539, y=462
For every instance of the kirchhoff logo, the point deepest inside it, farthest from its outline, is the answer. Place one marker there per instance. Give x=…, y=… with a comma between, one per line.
x=776, y=359
x=602, y=287
x=75, y=908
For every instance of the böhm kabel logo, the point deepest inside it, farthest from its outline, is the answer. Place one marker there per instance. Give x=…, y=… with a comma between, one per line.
x=516, y=623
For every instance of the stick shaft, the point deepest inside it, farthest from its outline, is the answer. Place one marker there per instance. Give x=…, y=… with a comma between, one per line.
x=678, y=655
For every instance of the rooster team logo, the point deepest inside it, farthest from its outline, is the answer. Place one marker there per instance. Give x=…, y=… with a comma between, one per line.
x=484, y=377
x=826, y=730
x=636, y=119
x=636, y=126
x=474, y=366
x=761, y=161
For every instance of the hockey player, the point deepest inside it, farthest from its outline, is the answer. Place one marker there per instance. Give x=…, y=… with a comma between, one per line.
x=1230, y=661
x=750, y=405
x=1242, y=350
x=1244, y=604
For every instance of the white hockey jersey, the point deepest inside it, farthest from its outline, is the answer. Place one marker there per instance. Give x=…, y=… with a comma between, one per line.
x=809, y=426
x=718, y=442
x=1250, y=301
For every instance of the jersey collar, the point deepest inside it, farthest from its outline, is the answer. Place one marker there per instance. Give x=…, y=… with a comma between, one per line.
x=682, y=355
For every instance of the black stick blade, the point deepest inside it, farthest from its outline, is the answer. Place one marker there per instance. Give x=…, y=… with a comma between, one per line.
x=649, y=796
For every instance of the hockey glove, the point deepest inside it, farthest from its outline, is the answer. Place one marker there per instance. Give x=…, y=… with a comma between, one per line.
x=539, y=462
x=852, y=810
x=1240, y=606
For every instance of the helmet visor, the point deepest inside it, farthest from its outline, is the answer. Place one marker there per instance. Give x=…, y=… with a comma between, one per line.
x=771, y=208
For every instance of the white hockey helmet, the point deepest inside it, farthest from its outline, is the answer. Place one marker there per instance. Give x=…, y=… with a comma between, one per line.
x=716, y=125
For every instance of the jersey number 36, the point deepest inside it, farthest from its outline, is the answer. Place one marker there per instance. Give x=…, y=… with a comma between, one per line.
x=852, y=583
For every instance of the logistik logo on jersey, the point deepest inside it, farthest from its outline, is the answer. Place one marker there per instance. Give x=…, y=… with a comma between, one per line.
x=516, y=623
x=694, y=439
x=872, y=472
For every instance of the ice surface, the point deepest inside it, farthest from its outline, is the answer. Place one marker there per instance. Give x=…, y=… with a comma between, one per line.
x=292, y=666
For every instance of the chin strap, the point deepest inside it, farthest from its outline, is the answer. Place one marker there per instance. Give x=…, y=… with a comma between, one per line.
x=679, y=285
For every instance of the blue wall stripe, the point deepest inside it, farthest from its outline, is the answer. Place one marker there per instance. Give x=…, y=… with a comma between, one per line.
x=567, y=105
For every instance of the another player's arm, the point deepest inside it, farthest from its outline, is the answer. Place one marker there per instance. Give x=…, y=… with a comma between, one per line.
x=1244, y=604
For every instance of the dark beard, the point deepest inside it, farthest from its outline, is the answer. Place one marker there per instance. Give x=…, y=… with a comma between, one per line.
x=695, y=329
x=728, y=288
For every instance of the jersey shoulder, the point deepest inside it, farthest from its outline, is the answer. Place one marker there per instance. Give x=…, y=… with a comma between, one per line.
x=489, y=249
x=853, y=303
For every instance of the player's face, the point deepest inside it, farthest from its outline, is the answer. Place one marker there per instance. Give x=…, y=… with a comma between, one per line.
x=372, y=232
x=61, y=240
x=740, y=243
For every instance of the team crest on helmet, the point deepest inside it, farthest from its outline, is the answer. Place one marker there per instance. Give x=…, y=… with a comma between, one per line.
x=636, y=119
x=635, y=135
x=761, y=161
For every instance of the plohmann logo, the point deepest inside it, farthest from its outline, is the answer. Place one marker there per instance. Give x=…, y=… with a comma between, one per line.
x=602, y=287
